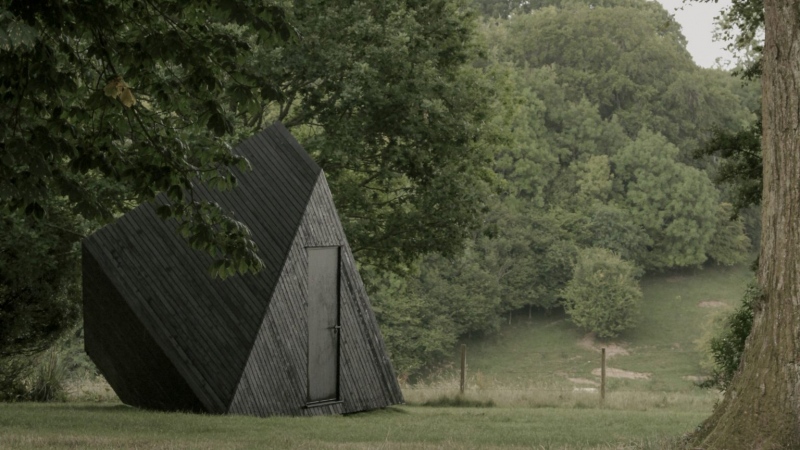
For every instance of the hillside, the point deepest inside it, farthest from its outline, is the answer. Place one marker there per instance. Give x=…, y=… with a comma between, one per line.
x=544, y=360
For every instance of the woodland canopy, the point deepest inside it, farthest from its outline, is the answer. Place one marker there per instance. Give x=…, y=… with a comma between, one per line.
x=475, y=151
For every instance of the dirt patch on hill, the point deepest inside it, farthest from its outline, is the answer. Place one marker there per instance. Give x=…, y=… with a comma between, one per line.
x=584, y=389
x=584, y=381
x=712, y=304
x=695, y=378
x=619, y=373
x=589, y=342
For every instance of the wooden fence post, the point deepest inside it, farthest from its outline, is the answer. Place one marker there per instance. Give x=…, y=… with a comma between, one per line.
x=602, y=375
x=463, y=384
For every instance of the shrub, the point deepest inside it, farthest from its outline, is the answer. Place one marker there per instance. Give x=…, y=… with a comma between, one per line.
x=37, y=378
x=728, y=345
x=48, y=380
x=12, y=379
x=603, y=295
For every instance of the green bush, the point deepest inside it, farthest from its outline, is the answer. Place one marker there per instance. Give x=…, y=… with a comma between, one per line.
x=12, y=379
x=48, y=380
x=603, y=295
x=727, y=347
x=33, y=378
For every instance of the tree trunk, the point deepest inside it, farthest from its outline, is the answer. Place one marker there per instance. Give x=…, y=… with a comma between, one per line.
x=761, y=409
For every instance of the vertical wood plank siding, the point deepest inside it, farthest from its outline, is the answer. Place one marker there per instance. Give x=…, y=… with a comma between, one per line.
x=367, y=380
x=238, y=345
x=119, y=331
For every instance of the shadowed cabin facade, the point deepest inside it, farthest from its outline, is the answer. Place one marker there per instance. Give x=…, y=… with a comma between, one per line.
x=298, y=338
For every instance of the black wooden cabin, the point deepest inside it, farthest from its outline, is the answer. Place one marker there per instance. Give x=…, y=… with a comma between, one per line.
x=298, y=338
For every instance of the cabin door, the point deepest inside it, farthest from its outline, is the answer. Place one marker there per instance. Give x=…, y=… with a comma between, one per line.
x=323, y=324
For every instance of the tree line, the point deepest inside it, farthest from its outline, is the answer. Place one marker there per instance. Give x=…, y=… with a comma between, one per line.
x=107, y=103
x=603, y=176
x=485, y=157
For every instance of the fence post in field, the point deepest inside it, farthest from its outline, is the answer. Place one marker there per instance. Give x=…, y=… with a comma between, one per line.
x=463, y=384
x=602, y=375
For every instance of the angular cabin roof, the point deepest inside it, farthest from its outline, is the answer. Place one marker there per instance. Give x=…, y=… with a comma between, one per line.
x=210, y=323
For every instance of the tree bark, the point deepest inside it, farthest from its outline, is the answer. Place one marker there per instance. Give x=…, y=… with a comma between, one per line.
x=761, y=409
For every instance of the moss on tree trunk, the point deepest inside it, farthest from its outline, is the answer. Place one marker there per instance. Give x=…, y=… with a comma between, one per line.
x=761, y=409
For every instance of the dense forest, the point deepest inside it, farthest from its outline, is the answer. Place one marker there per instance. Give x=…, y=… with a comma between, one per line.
x=604, y=115
x=485, y=157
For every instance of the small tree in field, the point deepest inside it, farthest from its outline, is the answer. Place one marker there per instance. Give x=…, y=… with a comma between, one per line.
x=603, y=295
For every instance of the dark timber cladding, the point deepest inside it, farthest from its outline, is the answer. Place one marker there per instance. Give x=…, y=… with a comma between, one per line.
x=298, y=338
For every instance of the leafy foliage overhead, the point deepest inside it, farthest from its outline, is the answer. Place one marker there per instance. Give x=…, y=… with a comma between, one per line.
x=385, y=96
x=107, y=103
x=740, y=163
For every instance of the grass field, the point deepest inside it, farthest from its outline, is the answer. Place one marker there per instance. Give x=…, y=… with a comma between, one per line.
x=545, y=361
x=540, y=372
x=104, y=426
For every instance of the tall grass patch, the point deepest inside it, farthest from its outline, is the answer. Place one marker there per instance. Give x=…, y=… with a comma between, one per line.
x=558, y=395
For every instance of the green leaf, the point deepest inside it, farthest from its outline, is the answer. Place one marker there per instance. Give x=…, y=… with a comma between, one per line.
x=5, y=42
x=175, y=192
x=38, y=166
x=34, y=209
x=217, y=124
x=164, y=211
x=19, y=35
x=7, y=159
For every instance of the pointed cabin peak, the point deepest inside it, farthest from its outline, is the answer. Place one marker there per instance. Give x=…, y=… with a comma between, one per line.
x=298, y=338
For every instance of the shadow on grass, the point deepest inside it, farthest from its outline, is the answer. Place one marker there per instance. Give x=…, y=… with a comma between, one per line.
x=458, y=401
x=377, y=412
x=117, y=408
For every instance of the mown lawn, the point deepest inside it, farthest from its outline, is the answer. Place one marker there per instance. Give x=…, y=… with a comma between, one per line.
x=96, y=426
